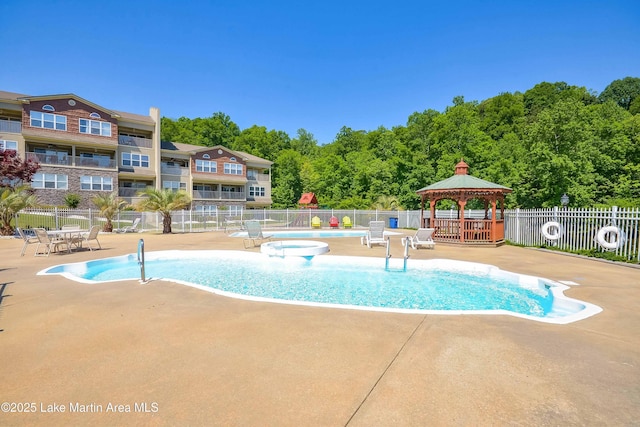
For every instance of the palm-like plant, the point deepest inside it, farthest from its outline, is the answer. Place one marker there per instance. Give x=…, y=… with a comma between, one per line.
x=387, y=203
x=109, y=205
x=164, y=201
x=12, y=201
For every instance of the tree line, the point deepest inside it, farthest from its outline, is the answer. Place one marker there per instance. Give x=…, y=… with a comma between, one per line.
x=550, y=140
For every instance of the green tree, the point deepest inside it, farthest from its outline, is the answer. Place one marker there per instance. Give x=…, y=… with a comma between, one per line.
x=211, y=131
x=109, y=205
x=305, y=143
x=559, y=158
x=622, y=92
x=12, y=201
x=287, y=183
x=164, y=201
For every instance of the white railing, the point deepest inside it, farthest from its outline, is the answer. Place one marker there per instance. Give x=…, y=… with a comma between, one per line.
x=578, y=229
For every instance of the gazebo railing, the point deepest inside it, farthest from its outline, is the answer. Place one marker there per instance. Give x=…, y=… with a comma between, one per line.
x=474, y=231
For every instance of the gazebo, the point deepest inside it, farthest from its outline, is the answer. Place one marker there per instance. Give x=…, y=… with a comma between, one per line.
x=461, y=188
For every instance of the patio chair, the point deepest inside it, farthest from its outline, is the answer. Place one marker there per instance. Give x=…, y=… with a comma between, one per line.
x=375, y=235
x=423, y=237
x=316, y=222
x=254, y=234
x=346, y=222
x=130, y=228
x=333, y=222
x=92, y=235
x=50, y=243
x=27, y=239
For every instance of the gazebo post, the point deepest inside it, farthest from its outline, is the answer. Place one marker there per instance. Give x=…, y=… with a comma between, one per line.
x=432, y=213
x=462, y=203
x=494, y=222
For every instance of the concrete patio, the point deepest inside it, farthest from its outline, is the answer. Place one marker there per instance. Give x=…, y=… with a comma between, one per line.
x=175, y=355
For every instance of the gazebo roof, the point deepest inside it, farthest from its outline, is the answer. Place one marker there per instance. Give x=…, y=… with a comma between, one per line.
x=463, y=181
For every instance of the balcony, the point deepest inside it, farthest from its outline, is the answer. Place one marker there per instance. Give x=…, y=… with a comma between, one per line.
x=12, y=126
x=66, y=160
x=260, y=177
x=174, y=170
x=218, y=195
x=135, y=141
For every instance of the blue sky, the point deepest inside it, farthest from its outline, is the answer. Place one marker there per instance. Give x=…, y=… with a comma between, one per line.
x=317, y=65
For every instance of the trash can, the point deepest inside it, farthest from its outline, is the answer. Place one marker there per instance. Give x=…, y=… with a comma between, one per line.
x=393, y=222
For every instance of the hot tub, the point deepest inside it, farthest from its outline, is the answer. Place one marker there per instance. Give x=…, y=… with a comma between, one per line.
x=303, y=248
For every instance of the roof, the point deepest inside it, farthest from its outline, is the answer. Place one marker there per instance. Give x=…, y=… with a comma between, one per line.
x=456, y=182
x=308, y=198
x=192, y=149
x=21, y=98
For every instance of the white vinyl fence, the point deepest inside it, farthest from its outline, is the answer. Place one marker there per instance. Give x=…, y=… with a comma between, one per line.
x=612, y=229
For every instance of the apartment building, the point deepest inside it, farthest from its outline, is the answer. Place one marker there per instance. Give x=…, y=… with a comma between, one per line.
x=84, y=148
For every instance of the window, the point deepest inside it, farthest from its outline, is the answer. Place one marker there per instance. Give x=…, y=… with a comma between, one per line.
x=232, y=169
x=206, y=156
x=256, y=191
x=206, y=166
x=48, y=120
x=50, y=180
x=252, y=175
x=95, y=127
x=96, y=183
x=48, y=107
x=135, y=159
x=8, y=145
x=95, y=116
x=174, y=185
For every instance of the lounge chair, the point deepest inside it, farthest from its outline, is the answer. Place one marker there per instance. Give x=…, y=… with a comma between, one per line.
x=423, y=237
x=346, y=222
x=28, y=239
x=375, y=235
x=130, y=228
x=316, y=222
x=254, y=234
x=50, y=243
x=333, y=222
x=92, y=235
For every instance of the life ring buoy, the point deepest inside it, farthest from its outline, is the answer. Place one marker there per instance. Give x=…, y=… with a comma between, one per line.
x=551, y=230
x=601, y=237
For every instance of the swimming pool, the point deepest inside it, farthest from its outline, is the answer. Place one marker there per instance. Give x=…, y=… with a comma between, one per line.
x=309, y=234
x=427, y=286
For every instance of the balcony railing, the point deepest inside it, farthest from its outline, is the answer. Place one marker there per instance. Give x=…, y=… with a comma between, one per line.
x=174, y=170
x=135, y=141
x=218, y=195
x=128, y=192
x=12, y=126
x=258, y=177
x=66, y=160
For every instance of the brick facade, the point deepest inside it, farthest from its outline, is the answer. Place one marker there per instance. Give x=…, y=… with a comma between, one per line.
x=55, y=197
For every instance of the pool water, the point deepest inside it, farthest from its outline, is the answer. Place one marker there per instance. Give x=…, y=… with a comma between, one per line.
x=444, y=286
